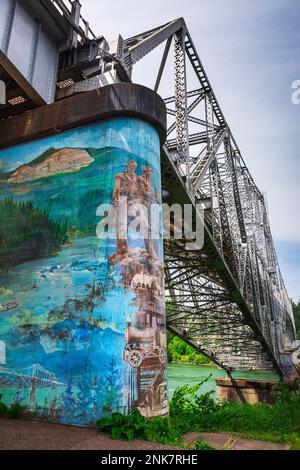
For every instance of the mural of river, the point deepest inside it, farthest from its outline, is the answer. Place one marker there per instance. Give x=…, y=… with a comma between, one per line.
x=81, y=317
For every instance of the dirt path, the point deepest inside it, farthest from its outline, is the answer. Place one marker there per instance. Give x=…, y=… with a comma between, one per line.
x=31, y=435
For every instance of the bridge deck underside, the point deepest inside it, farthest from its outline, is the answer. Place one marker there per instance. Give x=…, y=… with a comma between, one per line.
x=201, y=310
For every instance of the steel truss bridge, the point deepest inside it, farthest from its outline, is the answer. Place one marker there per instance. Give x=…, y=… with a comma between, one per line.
x=35, y=374
x=32, y=378
x=228, y=299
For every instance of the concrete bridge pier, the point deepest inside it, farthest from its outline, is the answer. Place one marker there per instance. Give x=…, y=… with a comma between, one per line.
x=248, y=391
x=85, y=288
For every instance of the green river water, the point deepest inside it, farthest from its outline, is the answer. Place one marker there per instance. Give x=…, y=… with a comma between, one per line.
x=182, y=374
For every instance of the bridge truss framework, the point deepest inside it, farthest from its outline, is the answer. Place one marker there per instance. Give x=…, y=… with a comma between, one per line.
x=228, y=299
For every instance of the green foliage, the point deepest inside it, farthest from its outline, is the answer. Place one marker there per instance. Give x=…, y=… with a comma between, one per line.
x=161, y=430
x=200, y=445
x=281, y=417
x=279, y=422
x=191, y=411
x=3, y=409
x=123, y=427
x=14, y=411
x=296, y=310
x=187, y=400
x=135, y=426
x=283, y=393
x=179, y=351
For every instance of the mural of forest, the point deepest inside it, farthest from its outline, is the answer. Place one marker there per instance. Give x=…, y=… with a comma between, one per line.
x=67, y=300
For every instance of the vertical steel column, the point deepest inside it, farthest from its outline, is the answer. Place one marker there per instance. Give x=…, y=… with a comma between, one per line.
x=181, y=101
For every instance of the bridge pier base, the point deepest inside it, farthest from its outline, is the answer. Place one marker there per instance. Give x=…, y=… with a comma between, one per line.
x=82, y=293
x=253, y=391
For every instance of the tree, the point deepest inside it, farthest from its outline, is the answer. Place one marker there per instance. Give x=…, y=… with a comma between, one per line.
x=111, y=396
x=69, y=401
x=179, y=351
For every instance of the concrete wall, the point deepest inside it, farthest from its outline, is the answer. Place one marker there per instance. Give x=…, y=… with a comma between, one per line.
x=254, y=391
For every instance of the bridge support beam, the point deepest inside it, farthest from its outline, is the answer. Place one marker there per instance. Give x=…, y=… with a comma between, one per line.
x=82, y=293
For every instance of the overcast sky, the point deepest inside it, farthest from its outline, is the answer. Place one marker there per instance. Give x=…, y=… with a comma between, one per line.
x=250, y=50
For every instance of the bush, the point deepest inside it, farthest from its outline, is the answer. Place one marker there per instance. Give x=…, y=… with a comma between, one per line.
x=16, y=411
x=135, y=426
x=187, y=400
x=123, y=427
x=162, y=430
x=281, y=418
x=201, y=445
x=3, y=409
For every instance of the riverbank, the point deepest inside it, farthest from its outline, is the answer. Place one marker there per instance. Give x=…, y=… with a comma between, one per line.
x=194, y=364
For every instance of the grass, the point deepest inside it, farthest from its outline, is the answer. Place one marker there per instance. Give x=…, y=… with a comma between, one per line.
x=275, y=423
x=13, y=411
x=291, y=439
x=201, y=445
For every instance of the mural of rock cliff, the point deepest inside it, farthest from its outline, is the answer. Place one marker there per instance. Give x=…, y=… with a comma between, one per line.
x=82, y=318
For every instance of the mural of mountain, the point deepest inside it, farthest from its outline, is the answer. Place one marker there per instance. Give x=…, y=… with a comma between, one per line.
x=51, y=163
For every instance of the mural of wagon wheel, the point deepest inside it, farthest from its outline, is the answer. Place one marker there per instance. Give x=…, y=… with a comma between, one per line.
x=135, y=359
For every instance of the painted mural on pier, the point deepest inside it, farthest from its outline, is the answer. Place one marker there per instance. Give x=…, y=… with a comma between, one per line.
x=82, y=318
